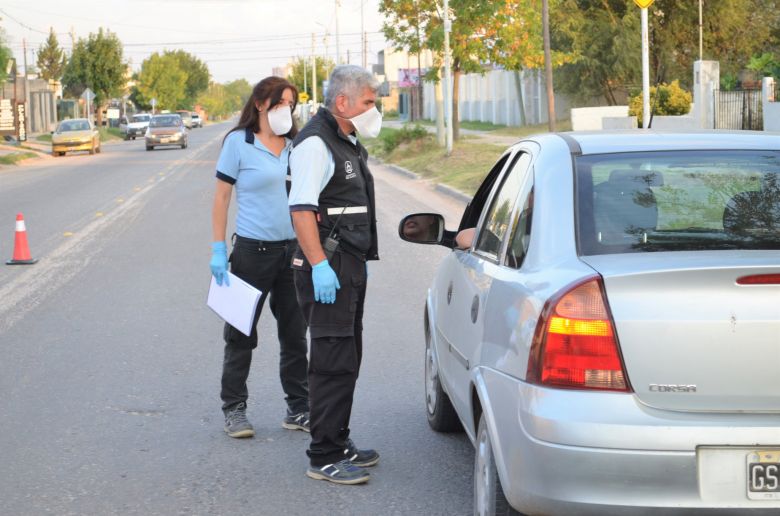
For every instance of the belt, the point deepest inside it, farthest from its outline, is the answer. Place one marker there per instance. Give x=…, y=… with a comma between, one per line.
x=263, y=244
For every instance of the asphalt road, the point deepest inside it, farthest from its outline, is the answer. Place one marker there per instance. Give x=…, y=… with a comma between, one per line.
x=109, y=376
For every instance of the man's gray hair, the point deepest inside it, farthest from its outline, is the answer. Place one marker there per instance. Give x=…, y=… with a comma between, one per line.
x=349, y=80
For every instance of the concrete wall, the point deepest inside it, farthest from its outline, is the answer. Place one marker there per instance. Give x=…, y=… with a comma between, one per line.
x=770, y=105
x=494, y=97
x=592, y=118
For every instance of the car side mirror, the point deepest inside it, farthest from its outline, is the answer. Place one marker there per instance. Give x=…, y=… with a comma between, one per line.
x=425, y=228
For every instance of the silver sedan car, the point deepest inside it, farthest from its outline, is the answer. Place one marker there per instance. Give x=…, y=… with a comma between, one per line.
x=608, y=335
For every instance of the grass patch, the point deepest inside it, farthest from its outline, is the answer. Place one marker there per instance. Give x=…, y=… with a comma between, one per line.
x=43, y=138
x=110, y=133
x=528, y=130
x=15, y=157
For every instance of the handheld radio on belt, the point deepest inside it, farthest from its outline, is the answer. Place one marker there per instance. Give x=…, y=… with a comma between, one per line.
x=331, y=242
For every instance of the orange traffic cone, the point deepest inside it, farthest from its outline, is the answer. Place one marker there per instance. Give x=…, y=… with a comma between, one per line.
x=21, y=248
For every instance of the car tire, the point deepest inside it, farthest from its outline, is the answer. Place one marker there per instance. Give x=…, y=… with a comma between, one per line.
x=149, y=147
x=92, y=151
x=61, y=153
x=97, y=150
x=489, y=498
x=55, y=154
x=441, y=414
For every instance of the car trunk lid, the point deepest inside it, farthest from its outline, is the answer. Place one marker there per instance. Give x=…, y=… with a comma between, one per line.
x=691, y=337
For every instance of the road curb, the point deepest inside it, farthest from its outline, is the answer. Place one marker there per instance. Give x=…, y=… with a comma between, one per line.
x=440, y=187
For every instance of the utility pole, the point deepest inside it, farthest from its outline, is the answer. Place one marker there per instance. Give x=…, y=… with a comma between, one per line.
x=338, y=45
x=419, y=72
x=701, y=36
x=305, y=78
x=313, y=72
x=548, y=66
x=448, y=77
x=363, y=42
x=645, y=70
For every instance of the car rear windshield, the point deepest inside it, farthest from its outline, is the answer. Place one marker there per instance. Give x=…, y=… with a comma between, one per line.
x=141, y=118
x=166, y=121
x=678, y=201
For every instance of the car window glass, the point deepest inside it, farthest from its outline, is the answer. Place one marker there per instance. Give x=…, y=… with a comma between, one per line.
x=678, y=201
x=496, y=223
x=474, y=209
x=521, y=234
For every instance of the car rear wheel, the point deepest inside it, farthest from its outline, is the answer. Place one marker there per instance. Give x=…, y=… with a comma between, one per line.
x=441, y=414
x=92, y=150
x=98, y=149
x=489, y=499
x=149, y=147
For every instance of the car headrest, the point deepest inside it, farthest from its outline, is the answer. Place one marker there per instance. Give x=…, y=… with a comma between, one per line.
x=646, y=177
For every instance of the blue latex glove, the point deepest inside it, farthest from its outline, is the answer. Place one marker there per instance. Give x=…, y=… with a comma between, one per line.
x=325, y=282
x=219, y=261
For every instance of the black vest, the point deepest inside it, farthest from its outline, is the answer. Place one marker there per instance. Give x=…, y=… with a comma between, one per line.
x=350, y=192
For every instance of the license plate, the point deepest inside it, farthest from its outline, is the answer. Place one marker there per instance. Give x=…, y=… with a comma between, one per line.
x=164, y=140
x=763, y=475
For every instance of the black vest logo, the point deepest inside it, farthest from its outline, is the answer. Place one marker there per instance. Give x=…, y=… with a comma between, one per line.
x=348, y=168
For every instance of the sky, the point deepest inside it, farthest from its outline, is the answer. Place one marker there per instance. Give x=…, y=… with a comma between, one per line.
x=236, y=38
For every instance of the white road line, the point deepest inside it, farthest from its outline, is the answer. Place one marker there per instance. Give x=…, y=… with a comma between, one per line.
x=33, y=286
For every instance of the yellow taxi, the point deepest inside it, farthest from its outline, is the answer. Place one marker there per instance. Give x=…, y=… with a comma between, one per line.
x=75, y=135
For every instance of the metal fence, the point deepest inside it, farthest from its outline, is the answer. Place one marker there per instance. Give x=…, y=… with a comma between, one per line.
x=739, y=109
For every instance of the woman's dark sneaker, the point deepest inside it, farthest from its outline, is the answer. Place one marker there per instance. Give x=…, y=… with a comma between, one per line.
x=342, y=472
x=296, y=421
x=236, y=423
x=360, y=458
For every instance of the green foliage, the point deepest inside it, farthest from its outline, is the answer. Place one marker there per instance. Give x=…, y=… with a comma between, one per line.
x=162, y=78
x=666, y=99
x=197, y=75
x=390, y=140
x=222, y=100
x=323, y=68
x=765, y=64
x=15, y=157
x=728, y=82
x=5, y=55
x=96, y=63
x=51, y=58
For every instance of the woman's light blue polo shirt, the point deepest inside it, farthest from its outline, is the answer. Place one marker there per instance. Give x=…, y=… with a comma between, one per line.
x=259, y=178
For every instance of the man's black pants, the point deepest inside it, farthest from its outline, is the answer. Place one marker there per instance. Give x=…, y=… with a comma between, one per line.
x=266, y=266
x=336, y=352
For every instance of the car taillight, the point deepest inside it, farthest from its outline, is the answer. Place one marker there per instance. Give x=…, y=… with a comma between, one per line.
x=759, y=279
x=575, y=345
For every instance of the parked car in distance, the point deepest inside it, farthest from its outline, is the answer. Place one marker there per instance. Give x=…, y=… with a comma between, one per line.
x=135, y=127
x=197, y=121
x=609, y=338
x=186, y=118
x=166, y=130
x=74, y=135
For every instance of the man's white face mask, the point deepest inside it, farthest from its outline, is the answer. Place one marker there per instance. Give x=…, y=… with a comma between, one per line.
x=280, y=120
x=368, y=124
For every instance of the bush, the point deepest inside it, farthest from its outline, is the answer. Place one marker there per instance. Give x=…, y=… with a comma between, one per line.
x=392, y=139
x=666, y=99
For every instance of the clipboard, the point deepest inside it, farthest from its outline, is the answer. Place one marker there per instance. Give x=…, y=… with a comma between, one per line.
x=235, y=304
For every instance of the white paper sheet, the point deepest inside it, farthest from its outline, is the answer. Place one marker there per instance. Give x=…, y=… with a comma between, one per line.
x=236, y=304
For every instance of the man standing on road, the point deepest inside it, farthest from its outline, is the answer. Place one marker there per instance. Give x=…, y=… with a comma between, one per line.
x=333, y=212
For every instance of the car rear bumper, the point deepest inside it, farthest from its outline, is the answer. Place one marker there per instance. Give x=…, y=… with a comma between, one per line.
x=577, y=452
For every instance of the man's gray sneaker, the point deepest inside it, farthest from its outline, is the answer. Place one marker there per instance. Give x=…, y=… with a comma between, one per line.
x=360, y=458
x=342, y=472
x=236, y=423
x=296, y=421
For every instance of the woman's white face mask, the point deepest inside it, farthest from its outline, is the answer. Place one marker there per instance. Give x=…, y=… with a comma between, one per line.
x=280, y=120
x=369, y=123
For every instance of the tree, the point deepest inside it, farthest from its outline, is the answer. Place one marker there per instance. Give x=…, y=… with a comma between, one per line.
x=417, y=24
x=197, y=75
x=238, y=92
x=96, y=63
x=5, y=55
x=51, y=58
x=221, y=100
x=161, y=78
x=300, y=64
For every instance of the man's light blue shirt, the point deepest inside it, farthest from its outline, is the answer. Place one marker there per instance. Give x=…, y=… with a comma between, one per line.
x=311, y=167
x=259, y=178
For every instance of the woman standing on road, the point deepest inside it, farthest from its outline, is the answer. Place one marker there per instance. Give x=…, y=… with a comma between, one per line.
x=254, y=160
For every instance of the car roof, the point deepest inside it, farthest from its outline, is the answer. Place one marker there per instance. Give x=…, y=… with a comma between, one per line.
x=75, y=120
x=607, y=142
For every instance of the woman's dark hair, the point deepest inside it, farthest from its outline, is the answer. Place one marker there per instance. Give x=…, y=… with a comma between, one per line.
x=269, y=88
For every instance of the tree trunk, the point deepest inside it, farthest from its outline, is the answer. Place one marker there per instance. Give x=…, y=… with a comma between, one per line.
x=440, y=136
x=548, y=65
x=98, y=115
x=455, y=111
x=520, y=99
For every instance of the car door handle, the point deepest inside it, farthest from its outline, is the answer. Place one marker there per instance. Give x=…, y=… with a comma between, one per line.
x=474, y=309
x=449, y=293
